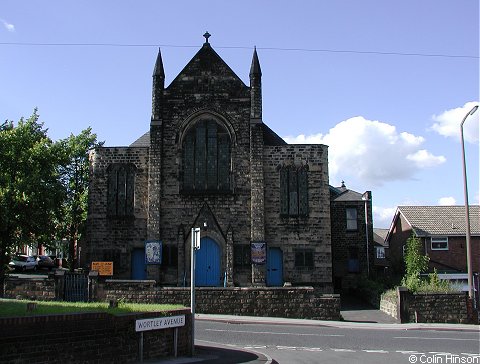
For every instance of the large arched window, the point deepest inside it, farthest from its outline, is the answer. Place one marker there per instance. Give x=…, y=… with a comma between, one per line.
x=294, y=191
x=121, y=189
x=206, y=158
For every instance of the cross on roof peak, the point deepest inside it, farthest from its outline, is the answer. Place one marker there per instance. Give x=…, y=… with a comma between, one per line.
x=207, y=35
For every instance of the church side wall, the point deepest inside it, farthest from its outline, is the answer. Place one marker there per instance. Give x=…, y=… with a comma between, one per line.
x=305, y=233
x=114, y=238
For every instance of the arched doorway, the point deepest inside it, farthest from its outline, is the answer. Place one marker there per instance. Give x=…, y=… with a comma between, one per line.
x=207, y=264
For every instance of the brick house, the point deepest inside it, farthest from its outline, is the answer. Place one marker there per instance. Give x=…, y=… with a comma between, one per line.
x=352, y=233
x=210, y=161
x=382, y=258
x=441, y=230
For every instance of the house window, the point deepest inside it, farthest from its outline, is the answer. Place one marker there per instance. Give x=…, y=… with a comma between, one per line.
x=169, y=256
x=380, y=252
x=351, y=219
x=206, y=158
x=120, y=189
x=293, y=191
x=304, y=259
x=242, y=256
x=439, y=243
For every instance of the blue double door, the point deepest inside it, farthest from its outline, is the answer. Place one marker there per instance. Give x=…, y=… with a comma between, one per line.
x=207, y=264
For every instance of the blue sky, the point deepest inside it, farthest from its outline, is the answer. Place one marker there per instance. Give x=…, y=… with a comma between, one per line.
x=384, y=83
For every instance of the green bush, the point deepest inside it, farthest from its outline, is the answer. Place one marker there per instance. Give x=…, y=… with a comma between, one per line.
x=430, y=284
x=435, y=285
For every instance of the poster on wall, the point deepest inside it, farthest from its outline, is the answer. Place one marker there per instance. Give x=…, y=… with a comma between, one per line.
x=259, y=252
x=153, y=252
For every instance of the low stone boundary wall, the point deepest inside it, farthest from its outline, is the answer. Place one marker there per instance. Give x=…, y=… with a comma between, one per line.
x=87, y=338
x=389, y=305
x=436, y=308
x=288, y=302
x=42, y=289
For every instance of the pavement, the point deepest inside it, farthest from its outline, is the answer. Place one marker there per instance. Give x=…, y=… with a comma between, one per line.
x=354, y=309
x=356, y=315
x=213, y=353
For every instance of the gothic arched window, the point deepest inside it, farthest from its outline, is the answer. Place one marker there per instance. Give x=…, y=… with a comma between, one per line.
x=293, y=191
x=120, y=189
x=206, y=158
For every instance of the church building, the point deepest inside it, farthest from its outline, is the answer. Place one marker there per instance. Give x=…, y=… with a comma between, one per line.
x=210, y=161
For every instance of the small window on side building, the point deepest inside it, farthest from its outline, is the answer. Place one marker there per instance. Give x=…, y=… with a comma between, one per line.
x=380, y=252
x=304, y=259
x=169, y=256
x=351, y=215
x=242, y=256
x=353, y=260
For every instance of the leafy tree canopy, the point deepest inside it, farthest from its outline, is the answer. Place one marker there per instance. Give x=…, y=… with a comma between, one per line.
x=43, y=186
x=74, y=176
x=30, y=190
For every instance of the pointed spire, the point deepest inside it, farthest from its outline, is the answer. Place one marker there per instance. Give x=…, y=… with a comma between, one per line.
x=255, y=68
x=158, y=86
x=255, y=89
x=158, y=70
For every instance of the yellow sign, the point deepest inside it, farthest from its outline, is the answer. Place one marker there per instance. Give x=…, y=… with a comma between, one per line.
x=103, y=268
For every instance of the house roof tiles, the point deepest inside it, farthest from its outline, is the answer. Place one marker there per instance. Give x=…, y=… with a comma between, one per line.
x=441, y=220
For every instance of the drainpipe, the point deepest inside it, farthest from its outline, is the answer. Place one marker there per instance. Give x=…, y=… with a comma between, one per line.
x=367, y=197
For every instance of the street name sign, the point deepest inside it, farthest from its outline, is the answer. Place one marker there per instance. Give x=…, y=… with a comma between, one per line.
x=159, y=323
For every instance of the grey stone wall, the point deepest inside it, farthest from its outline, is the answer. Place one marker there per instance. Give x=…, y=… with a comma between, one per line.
x=389, y=305
x=290, y=302
x=439, y=308
x=30, y=289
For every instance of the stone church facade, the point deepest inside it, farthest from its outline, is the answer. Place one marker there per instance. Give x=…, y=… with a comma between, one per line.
x=210, y=161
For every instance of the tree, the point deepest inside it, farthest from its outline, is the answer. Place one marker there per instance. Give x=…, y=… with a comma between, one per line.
x=74, y=175
x=31, y=194
x=415, y=263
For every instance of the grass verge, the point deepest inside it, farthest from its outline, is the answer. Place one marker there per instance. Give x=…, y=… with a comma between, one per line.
x=15, y=308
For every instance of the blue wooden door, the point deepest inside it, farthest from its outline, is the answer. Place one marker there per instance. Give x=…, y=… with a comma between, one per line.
x=207, y=264
x=139, y=268
x=274, y=267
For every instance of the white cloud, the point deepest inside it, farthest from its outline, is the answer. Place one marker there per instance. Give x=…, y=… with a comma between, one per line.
x=7, y=25
x=448, y=123
x=447, y=201
x=424, y=159
x=383, y=216
x=372, y=151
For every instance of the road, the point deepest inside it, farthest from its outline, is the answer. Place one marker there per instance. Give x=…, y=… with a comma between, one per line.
x=296, y=343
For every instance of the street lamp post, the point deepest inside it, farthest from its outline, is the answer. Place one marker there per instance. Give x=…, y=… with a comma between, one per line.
x=195, y=237
x=467, y=212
